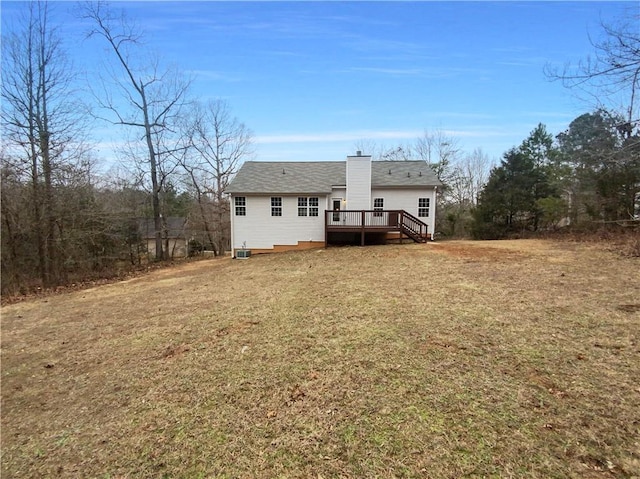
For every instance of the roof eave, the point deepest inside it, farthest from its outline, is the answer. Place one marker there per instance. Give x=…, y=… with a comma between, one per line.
x=283, y=193
x=405, y=186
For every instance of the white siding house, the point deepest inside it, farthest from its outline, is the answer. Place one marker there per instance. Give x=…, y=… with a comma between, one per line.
x=277, y=206
x=260, y=229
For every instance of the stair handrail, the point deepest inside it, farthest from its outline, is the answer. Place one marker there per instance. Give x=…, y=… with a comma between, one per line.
x=413, y=225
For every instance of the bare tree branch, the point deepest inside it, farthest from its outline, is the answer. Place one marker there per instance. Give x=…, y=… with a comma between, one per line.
x=155, y=99
x=613, y=71
x=219, y=144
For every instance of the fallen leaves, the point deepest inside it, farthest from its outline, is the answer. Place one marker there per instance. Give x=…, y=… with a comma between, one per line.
x=629, y=308
x=172, y=351
x=296, y=393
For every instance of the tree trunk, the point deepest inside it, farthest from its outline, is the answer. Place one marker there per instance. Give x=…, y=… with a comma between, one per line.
x=206, y=224
x=30, y=84
x=155, y=187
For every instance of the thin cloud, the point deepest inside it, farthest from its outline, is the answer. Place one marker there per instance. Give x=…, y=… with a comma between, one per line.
x=370, y=44
x=462, y=115
x=428, y=73
x=550, y=114
x=513, y=64
x=214, y=75
x=337, y=136
x=480, y=133
x=283, y=53
x=389, y=71
x=523, y=62
x=375, y=135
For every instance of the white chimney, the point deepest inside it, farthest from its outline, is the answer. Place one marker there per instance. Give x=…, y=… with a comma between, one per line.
x=359, y=182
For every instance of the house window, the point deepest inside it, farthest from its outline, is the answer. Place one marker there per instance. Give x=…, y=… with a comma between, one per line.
x=276, y=206
x=302, y=206
x=240, y=202
x=313, y=206
x=308, y=206
x=378, y=206
x=423, y=207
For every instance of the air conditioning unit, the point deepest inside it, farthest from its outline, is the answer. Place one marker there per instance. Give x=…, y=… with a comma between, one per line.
x=243, y=253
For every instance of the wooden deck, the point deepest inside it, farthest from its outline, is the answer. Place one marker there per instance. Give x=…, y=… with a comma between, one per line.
x=374, y=221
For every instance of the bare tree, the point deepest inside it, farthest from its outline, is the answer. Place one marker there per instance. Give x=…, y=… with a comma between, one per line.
x=369, y=147
x=613, y=71
x=462, y=175
x=465, y=177
x=381, y=152
x=218, y=143
x=470, y=174
x=396, y=153
x=440, y=151
x=42, y=125
x=154, y=97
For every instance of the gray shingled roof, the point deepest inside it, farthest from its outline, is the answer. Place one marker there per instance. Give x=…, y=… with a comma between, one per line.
x=320, y=176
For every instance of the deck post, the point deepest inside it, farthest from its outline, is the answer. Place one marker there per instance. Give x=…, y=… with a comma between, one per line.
x=326, y=228
x=362, y=228
x=400, y=224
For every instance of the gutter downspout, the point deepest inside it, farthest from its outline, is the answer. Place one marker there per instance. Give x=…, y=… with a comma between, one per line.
x=232, y=210
x=435, y=202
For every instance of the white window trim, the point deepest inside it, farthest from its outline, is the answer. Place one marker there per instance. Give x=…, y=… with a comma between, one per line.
x=423, y=211
x=276, y=208
x=377, y=210
x=308, y=207
x=240, y=207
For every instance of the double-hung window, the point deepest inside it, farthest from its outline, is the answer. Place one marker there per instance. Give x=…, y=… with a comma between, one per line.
x=276, y=206
x=308, y=206
x=423, y=207
x=313, y=206
x=303, y=204
x=378, y=206
x=240, y=203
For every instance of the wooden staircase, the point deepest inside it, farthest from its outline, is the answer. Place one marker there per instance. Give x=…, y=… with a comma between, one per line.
x=413, y=227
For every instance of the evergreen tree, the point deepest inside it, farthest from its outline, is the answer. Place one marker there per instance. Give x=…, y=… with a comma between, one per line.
x=510, y=200
x=603, y=162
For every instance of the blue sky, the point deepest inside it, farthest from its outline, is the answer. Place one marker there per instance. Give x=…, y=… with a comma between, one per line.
x=311, y=79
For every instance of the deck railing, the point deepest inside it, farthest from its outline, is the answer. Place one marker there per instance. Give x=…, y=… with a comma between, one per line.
x=375, y=221
x=413, y=227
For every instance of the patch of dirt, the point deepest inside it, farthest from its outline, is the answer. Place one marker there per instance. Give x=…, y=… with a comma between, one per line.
x=474, y=251
x=629, y=308
x=174, y=350
x=150, y=272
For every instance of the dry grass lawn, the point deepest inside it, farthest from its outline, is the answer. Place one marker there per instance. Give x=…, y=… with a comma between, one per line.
x=444, y=360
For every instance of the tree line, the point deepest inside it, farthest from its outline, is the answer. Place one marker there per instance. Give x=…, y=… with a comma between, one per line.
x=583, y=177
x=588, y=176
x=61, y=221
